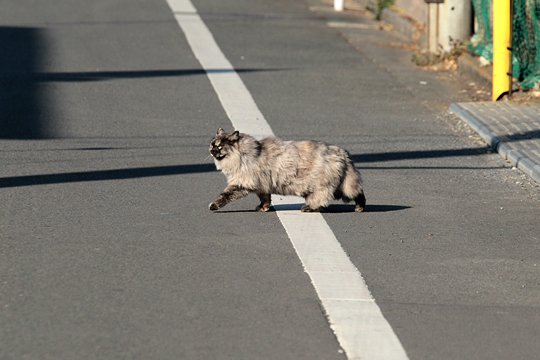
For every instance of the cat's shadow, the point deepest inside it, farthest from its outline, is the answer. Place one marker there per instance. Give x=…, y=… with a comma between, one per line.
x=332, y=208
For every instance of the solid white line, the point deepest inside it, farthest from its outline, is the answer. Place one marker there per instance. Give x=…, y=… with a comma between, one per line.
x=355, y=318
x=353, y=314
x=235, y=98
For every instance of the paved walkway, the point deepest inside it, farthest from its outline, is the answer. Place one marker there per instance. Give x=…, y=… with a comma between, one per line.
x=512, y=129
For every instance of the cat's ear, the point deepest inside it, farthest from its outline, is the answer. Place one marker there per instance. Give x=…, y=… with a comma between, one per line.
x=235, y=136
x=220, y=131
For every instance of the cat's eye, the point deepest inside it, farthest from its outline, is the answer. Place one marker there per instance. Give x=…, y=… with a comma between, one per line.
x=220, y=147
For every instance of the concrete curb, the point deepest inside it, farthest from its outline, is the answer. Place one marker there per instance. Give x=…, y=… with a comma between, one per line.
x=516, y=158
x=490, y=138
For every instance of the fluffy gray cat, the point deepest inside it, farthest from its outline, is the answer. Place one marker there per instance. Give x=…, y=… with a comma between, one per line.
x=316, y=171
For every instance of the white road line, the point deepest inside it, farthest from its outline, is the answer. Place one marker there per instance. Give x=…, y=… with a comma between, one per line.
x=354, y=316
x=235, y=98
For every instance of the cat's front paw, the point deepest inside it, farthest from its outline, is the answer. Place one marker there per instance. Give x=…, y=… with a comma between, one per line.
x=213, y=206
x=263, y=208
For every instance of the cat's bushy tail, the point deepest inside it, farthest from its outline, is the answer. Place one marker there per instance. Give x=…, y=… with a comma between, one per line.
x=352, y=188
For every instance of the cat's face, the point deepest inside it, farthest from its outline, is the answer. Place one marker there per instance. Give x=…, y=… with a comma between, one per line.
x=223, y=144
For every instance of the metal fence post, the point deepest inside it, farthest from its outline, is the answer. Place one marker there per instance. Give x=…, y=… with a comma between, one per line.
x=502, y=49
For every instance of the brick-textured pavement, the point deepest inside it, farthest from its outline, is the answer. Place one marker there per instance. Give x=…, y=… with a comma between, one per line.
x=512, y=129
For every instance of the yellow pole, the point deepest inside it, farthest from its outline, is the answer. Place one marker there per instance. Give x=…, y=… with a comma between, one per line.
x=502, y=53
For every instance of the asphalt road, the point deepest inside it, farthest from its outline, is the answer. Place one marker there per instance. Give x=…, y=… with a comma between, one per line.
x=108, y=250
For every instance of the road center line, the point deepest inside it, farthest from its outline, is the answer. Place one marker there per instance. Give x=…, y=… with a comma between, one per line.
x=353, y=314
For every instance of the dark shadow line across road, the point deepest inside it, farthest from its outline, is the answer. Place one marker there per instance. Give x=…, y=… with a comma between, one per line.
x=83, y=76
x=133, y=173
x=103, y=175
x=418, y=154
x=526, y=135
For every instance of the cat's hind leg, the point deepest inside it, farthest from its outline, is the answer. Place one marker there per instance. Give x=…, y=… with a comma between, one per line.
x=266, y=199
x=317, y=200
x=352, y=188
x=360, y=201
x=307, y=208
x=231, y=192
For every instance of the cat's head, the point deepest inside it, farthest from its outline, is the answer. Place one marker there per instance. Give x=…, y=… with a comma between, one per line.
x=224, y=144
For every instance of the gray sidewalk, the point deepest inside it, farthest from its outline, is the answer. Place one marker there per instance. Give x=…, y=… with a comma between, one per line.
x=512, y=129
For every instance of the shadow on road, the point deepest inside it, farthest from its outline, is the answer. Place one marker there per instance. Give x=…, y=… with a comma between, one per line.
x=342, y=208
x=528, y=135
x=22, y=111
x=132, y=173
x=129, y=74
x=332, y=208
x=26, y=112
x=102, y=175
x=418, y=154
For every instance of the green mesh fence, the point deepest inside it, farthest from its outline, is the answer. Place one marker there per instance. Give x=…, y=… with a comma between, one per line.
x=525, y=38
